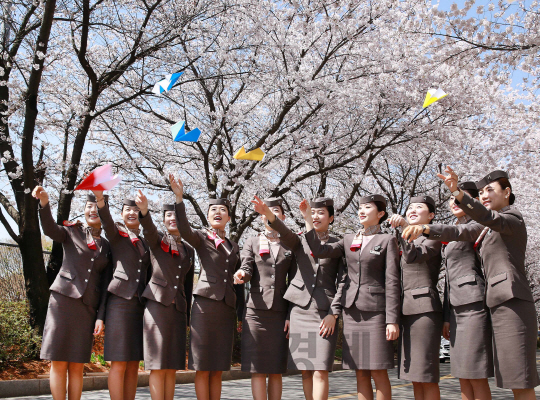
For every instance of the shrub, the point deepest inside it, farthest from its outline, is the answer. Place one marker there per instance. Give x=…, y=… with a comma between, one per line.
x=19, y=342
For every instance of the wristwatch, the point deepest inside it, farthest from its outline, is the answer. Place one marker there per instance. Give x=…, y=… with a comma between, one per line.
x=456, y=192
x=423, y=228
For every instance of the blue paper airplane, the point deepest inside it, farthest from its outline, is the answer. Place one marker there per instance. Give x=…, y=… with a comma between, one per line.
x=178, y=131
x=166, y=84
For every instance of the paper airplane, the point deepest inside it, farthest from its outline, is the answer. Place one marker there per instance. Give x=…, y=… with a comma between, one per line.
x=166, y=84
x=433, y=95
x=253, y=155
x=100, y=179
x=178, y=131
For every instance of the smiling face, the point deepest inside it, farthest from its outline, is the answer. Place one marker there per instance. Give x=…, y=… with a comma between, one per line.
x=276, y=210
x=494, y=197
x=169, y=220
x=418, y=214
x=369, y=215
x=458, y=212
x=91, y=215
x=321, y=219
x=130, y=215
x=218, y=216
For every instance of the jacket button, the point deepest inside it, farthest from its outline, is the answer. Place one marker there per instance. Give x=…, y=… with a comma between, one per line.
x=273, y=265
x=140, y=260
x=136, y=280
x=179, y=266
x=226, y=260
x=176, y=287
x=315, y=275
x=91, y=259
x=225, y=270
x=177, y=277
x=313, y=285
x=86, y=280
x=271, y=287
x=89, y=270
x=138, y=270
x=272, y=277
x=224, y=280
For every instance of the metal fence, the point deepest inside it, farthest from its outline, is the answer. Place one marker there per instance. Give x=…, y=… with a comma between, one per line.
x=11, y=272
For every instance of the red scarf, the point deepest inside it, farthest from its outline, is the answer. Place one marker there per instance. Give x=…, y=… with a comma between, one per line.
x=90, y=242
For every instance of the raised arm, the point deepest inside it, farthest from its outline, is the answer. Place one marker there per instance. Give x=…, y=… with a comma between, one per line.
x=188, y=234
x=150, y=232
x=420, y=252
x=288, y=237
x=502, y=223
x=49, y=225
x=393, y=283
x=328, y=250
x=111, y=231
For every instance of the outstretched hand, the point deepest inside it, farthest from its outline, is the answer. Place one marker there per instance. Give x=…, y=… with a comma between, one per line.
x=450, y=180
x=40, y=194
x=142, y=202
x=413, y=232
x=177, y=187
x=397, y=220
x=305, y=208
x=260, y=207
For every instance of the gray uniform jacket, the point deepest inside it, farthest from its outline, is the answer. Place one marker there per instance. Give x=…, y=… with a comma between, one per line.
x=373, y=276
x=319, y=279
x=217, y=265
x=269, y=276
x=420, y=266
x=131, y=268
x=502, y=250
x=172, y=276
x=83, y=272
x=464, y=277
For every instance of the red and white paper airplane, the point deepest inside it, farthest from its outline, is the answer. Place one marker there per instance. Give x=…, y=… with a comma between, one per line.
x=100, y=179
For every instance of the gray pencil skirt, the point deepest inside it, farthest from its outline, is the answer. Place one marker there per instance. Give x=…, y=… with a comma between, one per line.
x=471, y=353
x=211, y=334
x=514, y=344
x=123, y=329
x=419, y=344
x=364, y=340
x=308, y=350
x=264, y=342
x=164, y=332
x=69, y=330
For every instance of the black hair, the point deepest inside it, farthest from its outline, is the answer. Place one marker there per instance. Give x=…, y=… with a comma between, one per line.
x=472, y=192
x=381, y=207
x=505, y=183
x=330, y=212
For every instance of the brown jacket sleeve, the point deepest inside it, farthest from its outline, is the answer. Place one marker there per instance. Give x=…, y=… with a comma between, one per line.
x=341, y=280
x=393, y=283
x=248, y=259
x=418, y=253
x=188, y=234
x=288, y=237
x=327, y=250
x=455, y=233
x=50, y=227
x=150, y=231
x=502, y=223
x=105, y=279
x=111, y=231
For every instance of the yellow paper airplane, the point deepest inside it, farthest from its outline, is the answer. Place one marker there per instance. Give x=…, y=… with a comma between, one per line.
x=433, y=95
x=253, y=155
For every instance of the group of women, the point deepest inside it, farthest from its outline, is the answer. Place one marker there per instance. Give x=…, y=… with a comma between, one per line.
x=140, y=289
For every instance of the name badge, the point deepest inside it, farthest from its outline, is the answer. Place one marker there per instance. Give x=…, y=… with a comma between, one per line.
x=375, y=252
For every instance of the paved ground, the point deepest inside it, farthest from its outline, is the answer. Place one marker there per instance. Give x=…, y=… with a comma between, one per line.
x=342, y=386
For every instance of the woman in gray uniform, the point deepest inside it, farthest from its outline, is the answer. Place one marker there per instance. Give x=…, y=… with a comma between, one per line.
x=168, y=303
x=421, y=319
x=371, y=298
x=125, y=304
x=213, y=317
x=466, y=318
x=501, y=244
x=315, y=292
x=268, y=265
x=78, y=293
